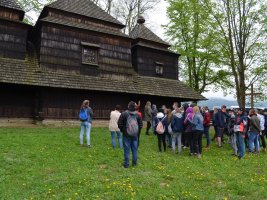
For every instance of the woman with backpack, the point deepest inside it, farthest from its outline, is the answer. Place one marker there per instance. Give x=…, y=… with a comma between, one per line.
x=198, y=129
x=160, y=129
x=177, y=126
x=86, y=116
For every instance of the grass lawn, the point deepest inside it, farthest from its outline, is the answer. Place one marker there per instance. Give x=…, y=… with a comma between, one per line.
x=48, y=163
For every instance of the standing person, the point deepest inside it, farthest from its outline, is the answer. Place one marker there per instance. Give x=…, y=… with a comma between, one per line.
x=198, y=129
x=262, y=122
x=141, y=117
x=185, y=139
x=232, y=135
x=130, y=123
x=113, y=126
x=188, y=123
x=221, y=124
x=254, y=131
x=239, y=129
x=148, y=116
x=215, y=126
x=153, y=114
x=265, y=122
x=177, y=125
x=86, y=115
x=160, y=129
x=168, y=131
x=206, y=124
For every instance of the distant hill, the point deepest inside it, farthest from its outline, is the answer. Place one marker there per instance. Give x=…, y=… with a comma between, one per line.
x=219, y=102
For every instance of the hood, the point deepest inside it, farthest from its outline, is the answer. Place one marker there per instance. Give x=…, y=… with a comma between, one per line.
x=189, y=110
x=179, y=115
x=160, y=115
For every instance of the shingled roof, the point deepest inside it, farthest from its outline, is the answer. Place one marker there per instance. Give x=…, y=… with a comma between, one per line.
x=10, y=4
x=84, y=7
x=140, y=31
x=28, y=73
x=87, y=26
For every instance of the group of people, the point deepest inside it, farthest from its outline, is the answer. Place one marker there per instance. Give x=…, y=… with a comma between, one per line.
x=181, y=127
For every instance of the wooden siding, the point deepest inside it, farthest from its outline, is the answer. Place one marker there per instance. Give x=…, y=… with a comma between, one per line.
x=51, y=103
x=144, y=62
x=12, y=40
x=10, y=14
x=16, y=101
x=61, y=51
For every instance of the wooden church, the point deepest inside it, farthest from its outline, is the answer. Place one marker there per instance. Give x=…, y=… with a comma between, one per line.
x=77, y=51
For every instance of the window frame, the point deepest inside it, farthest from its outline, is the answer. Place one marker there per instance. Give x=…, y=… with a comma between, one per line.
x=159, y=69
x=90, y=46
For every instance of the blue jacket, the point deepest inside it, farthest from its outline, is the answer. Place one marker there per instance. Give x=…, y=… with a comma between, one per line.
x=198, y=122
x=177, y=123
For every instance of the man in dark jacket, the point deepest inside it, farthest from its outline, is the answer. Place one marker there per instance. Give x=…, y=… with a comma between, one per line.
x=220, y=122
x=129, y=142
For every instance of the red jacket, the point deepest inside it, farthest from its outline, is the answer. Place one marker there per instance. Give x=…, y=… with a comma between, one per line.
x=206, y=122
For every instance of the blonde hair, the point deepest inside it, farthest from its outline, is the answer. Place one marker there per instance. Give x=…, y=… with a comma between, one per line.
x=196, y=109
x=85, y=103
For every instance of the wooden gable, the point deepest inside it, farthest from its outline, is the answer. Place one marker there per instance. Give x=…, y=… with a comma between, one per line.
x=13, y=32
x=72, y=36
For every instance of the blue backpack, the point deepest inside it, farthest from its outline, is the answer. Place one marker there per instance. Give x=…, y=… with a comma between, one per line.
x=83, y=114
x=132, y=127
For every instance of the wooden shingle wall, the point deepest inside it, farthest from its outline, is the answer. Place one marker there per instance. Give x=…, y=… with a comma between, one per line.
x=13, y=38
x=145, y=59
x=61, y=51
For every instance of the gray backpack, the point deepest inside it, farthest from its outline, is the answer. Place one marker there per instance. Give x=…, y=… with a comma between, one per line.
x=132, y=127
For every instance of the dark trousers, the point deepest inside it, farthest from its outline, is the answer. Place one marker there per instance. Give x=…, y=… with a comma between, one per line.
x=262, y=139
x=190, y=140
x=162, y=138
x=197, y=142
x=185, y=139
x=148, y=125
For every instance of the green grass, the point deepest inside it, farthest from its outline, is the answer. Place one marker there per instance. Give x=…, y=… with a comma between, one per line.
x=48, y=163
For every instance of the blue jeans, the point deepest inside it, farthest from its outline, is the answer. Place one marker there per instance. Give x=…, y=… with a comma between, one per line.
x=129, y=144
x=240, y=144
x=253, y=140
x=113, y=142
x=207, y=135
x=85, y=126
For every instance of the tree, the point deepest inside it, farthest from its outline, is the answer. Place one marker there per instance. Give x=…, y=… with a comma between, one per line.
x=241, y=37
x=191, y=30
x=32, y=6
x=128, y=11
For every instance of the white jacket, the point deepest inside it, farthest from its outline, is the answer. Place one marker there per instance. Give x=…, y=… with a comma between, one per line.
x=262, y=121
x=113, y=123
